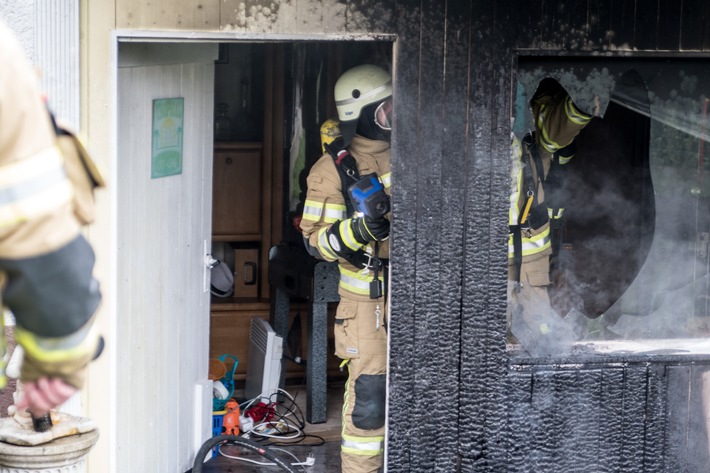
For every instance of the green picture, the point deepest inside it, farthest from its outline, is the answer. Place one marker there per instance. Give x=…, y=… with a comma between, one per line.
x=166, y=156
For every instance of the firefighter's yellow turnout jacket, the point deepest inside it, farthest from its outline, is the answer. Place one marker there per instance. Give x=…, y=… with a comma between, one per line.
x=557, y=122
x=325, y=204
x=45, y=264
x=360, y=326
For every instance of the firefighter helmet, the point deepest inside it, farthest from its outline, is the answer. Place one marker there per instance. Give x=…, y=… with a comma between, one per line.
x=358, y=87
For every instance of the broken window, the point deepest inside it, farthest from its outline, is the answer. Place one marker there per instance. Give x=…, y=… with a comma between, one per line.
x=628, y=260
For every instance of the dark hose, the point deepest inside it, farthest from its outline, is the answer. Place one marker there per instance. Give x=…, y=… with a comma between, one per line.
x=242, y=442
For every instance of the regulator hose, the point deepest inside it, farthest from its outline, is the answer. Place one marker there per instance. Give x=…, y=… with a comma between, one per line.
x=242, y=442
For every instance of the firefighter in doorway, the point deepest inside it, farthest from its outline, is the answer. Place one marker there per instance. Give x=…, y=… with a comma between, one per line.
x=537, y=170
x=353, y=229
x=45, y=263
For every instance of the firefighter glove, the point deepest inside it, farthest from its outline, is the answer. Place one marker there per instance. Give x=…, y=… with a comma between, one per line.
x=342, y=240
x=346, y=237
x=367, y=229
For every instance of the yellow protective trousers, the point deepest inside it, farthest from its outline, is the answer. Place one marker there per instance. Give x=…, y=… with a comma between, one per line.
x=361, y=341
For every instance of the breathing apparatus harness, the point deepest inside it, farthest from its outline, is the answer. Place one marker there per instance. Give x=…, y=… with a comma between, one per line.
x=366, y=196
x=534, y=213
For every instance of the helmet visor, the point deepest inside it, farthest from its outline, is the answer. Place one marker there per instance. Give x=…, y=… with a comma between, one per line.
x=383, y=115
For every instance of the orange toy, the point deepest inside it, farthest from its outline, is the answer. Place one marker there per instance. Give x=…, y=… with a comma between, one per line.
x=230, y=422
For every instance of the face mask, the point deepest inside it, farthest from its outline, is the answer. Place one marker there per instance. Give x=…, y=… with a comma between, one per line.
x=383, y=115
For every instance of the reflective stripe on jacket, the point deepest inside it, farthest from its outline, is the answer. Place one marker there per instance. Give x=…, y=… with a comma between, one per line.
x=33, y=187
x=366, y=446
x=557, y=121
x=325, y=205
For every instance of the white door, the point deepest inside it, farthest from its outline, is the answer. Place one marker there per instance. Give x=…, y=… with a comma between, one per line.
x=164, y=224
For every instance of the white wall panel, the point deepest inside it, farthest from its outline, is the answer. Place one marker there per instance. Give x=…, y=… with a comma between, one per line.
x=56, y=54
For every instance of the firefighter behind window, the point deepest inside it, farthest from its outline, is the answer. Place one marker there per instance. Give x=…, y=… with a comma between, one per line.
x=535, y=210
x=346, y=219
x=45, y=264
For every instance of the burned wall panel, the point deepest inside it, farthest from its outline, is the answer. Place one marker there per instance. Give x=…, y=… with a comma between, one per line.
x=622, y=25
x=598, y=27
x=168, y=14
x=647, y=26
x=487, y=178
x=405, y=315
x=518, y=387
x=654, y=418
x=686, y=444
x=694, y=16
x=669, y=24
x=593, y=419
x=525, y=15
x=430, y=248
x=369, y=15
x=259, y=16
x=678, y=415
x=454, y=139
x=565, y=24
x=611, y=437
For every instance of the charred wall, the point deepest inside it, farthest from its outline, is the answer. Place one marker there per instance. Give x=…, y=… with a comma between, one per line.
x=454, y=387
x=459, y=401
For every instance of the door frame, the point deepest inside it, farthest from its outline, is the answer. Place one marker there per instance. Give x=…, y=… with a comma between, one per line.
x=105, y=388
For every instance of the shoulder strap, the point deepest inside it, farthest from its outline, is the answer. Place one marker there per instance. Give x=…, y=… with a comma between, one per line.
x=535, y=160
x=347, y=170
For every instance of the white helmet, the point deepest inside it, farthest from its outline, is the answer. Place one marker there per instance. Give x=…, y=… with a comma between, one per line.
x=358, y=87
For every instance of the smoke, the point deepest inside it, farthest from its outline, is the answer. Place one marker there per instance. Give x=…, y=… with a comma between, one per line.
x=634, y=259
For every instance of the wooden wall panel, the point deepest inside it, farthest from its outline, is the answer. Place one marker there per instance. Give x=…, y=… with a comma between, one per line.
x=455, y=157
x=577, y=25
x=605, y=419
x=598, y=34
x=622, y=17
x=693, y=24
x=669, y=24
x=168, y=14
x=522, y=22
x=646, y=26
x=564, y=24
x=430, y=247
x=487, y=178
x=371, y=15
x=403, y=310
x=307, y=17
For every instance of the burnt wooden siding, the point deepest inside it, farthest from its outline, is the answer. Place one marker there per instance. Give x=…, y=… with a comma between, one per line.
x=458, y=402
x=453, y=387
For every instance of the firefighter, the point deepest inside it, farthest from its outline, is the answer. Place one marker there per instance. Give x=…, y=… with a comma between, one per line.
x=538, y=167
x=334, y=231
x=46, y=264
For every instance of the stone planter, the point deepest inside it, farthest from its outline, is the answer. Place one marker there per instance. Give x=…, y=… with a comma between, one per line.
x=64, y=455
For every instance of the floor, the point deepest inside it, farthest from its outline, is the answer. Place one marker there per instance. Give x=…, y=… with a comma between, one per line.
x=322, y=442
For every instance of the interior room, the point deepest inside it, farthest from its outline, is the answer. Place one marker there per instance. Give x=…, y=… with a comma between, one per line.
x=270, y=101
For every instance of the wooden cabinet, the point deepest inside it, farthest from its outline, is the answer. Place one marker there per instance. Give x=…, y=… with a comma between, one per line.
x=242, y=212
x=237, y=191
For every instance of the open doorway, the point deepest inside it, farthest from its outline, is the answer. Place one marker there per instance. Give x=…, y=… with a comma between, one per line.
x=270, y=100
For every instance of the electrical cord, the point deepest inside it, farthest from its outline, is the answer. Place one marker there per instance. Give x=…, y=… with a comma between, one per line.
x=278, y=429
x=242, y=442
x=310, y=460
